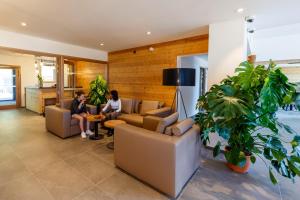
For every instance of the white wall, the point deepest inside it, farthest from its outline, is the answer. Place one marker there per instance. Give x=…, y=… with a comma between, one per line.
x=26, y=62
x=191, y=93
x=278, y=43
x=25, y=42
x=227, y=49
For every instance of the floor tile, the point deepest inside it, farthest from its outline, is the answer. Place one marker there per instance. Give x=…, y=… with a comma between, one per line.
x=25, y=188
x=11, y=170
x=92, y=167
x=93, y=194
x=63, y=181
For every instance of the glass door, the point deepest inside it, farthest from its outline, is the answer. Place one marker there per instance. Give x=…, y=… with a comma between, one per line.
x=8, y=87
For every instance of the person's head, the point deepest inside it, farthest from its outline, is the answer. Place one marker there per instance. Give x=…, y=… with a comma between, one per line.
x=80, y=95
x=114, y=95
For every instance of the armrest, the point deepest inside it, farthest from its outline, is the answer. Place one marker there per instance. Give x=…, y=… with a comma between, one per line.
x=91, y=109
x=58, y=120
x=151, y=122
x=161, y=112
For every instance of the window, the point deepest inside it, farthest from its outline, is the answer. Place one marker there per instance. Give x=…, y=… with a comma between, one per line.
x=7, y=84
x=48, y=73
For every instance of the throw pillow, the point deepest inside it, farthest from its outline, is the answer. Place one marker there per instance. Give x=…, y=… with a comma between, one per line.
x=126, y=105
x=180, y=128
x=148, y=105
x=168, y=130
x=167, y=121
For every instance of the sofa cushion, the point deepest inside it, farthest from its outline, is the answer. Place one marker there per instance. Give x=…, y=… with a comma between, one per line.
x=74, y=122
x=167, y=121
x=133, y=119
x=168, y=130
x=136, y=105
x=148, y=105
x=126, y=105
x=180, y=128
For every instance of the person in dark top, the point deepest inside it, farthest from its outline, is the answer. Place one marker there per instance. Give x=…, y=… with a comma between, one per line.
x=79, y=111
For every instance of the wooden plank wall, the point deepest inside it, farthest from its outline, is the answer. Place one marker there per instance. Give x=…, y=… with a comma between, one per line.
x=88, y=71
x=139, y=74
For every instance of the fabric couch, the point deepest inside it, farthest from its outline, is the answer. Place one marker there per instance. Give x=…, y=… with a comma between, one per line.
x=60, y=122
x=163, y=161
x=133, y=111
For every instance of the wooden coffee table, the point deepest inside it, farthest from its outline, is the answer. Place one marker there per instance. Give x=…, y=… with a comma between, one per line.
x=111, y=124
x=96, y=119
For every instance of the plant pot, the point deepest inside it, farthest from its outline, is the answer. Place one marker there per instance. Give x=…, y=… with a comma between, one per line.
x=238, y=169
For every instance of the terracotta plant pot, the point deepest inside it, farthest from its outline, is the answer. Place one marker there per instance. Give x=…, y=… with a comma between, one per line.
x=237, y=168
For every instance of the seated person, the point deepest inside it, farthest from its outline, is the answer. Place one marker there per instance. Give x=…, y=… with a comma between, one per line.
x=112, y=108
x=79, y=111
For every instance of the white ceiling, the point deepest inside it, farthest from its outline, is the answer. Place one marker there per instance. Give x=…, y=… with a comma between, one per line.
x=121, y=24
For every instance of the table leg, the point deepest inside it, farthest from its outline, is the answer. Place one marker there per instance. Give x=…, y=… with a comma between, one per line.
x=97, y=136
x=111, y=145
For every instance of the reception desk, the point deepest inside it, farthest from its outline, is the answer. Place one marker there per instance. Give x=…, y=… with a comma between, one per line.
x=37, y=98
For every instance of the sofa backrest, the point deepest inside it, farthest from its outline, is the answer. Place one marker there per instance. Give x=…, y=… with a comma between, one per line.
x=67, y=103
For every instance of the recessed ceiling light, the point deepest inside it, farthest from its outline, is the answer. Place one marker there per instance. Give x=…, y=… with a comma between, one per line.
x=23, y=24
x=240, y=10
x=148, y=33
x=101, y=44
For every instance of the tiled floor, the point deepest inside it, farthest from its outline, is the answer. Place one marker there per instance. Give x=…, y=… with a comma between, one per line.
x=35, y=164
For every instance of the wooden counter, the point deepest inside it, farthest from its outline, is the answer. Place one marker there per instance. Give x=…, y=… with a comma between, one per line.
x=37, y=98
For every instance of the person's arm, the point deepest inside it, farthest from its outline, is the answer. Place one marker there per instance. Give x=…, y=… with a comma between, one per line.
x=106, y=106
x=120, y=106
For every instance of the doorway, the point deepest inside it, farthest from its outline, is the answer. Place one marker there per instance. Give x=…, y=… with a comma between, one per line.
x=191, y=94
x=10, y=93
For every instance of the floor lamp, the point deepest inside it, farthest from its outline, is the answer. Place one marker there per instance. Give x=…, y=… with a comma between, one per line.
x=179, y=77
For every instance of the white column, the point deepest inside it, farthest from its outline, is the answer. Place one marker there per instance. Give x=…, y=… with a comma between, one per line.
x=227, y=49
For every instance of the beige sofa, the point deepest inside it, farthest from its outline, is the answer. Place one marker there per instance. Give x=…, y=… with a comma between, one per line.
x=133, y=110
x=60, y=122
x=165, y=162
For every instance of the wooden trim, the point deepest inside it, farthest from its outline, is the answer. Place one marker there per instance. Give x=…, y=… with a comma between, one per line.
x=18, y=85
x=8, y=107
x=199, y=37
x=37, y=53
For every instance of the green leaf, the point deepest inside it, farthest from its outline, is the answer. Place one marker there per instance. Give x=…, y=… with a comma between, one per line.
x=253, y=159
x=272, y=177
x=217, y=149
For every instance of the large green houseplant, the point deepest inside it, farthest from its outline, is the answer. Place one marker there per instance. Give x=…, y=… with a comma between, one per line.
x=98, y=92
x=242, y=110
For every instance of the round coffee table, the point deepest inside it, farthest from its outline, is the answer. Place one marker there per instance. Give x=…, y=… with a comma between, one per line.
x=96, y=119
x=111, y=124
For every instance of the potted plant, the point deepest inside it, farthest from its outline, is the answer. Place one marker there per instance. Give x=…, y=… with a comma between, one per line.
x=242, y=111
x=40, y=80
x=98, y=92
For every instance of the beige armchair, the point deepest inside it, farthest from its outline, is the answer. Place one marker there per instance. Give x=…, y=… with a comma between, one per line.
x=60, y=122
x=165, y=162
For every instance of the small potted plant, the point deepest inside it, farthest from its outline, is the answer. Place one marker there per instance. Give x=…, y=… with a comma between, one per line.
x=98, y=92
x=242, y=111
x=40, y=80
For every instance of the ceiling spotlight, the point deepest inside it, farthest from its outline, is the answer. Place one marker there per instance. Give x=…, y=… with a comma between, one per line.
x=101, y=44
x=23, y=24
x=240, y=10
x=148, y=33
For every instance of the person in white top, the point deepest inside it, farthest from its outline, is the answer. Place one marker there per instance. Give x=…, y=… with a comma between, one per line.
x=113, y=107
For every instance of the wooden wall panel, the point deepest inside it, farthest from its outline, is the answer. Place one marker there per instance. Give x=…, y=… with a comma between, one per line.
x=139, y=75
x=87, y=72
